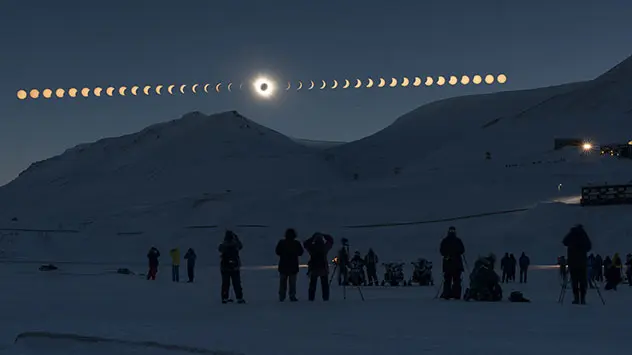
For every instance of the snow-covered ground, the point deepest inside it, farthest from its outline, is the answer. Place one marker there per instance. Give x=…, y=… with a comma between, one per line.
x=86, y=300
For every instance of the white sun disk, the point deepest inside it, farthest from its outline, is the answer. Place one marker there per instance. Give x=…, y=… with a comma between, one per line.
x=264, y=87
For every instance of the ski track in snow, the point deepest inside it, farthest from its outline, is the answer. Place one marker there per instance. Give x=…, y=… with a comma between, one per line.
x=391, y=320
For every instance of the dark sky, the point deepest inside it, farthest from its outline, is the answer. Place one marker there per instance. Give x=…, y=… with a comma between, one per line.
x=68, y=43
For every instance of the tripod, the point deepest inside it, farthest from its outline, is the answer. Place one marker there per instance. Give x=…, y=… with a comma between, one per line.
x=566, y=281
x=344, y=284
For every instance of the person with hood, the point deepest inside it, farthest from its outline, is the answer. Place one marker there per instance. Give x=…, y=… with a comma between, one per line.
x=289, y=251
x=524, y=263
x=371, y=260
x=175, y=264
x=342, y=261
x=191, y=257
x=318, y=266
x=152, y=256
x=504, y=267
x=230, y=264
x=452, y=250
x=578, y=245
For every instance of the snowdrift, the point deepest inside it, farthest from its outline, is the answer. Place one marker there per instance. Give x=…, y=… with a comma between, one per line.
x=48, y=343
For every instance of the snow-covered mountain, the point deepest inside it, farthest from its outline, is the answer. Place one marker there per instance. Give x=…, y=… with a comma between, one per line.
x=511, y=125
x=430, y=164
x=196, y=156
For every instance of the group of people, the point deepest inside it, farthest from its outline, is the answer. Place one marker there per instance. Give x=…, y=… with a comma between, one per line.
x=153, y=257
x=598, y=269
x=289, y=250
x=357, y=270
x=508, y=267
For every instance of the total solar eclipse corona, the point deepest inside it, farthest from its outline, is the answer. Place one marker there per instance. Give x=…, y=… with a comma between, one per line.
x=264, y=87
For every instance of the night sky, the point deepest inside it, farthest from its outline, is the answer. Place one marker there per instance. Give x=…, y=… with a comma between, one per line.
x=68, y=43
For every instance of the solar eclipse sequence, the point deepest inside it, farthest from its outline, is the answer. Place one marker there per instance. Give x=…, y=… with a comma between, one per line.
x=262, y=86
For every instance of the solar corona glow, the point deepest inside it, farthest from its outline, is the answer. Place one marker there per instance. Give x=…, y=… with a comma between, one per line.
x=262, y=87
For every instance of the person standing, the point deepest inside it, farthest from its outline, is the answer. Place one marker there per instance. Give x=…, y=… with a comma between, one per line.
x=318, y=246
x=289, y=251
x=343, y=263
x=153, y=257
x=191, y=258
x=578, y=245
x=504, y=267
x=175, y=264
x=452, y=250
x=230, y=266
x=512, y=267
x=371, y=260
x=524, y=263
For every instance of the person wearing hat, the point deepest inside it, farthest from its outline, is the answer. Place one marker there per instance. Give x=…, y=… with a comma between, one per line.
x=452, y=250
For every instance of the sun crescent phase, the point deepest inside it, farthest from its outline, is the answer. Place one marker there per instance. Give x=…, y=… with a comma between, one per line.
x=369, y=84
x=358, y=83
x=382, y=83
x=417, y=81
x=300, y=85
x=335, y=85
x=135, y=90
x=311, y=85
x=429, y=81
x=170, y=89
x=289, y=85
x=324, y=85
x=159, y=89
x=122, y=90
x=109, y=91
x=405, y=82
x=217, y=87
x=194, y=88
x=206, y=87
x=346, y=85
x=97, y=92
x=393, y=82
x=229, y=87
x=146, y=89
x=182, y=88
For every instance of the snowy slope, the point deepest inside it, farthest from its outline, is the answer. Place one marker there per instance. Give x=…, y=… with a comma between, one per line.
x=510, y=125
x=195, y=157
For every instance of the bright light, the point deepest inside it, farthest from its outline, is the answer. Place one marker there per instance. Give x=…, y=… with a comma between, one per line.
x=264, y=87
x=587, y=146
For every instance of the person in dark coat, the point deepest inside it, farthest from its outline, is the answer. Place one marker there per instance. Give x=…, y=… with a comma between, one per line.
x=318, y=266
x=371, y=261
x=524, y=263
x=190, y=258
x=598, y=268
x=504, y=267
x=578, y=245
x=452, y=250
x=512, y=267
x=289, y=250
x=342, y=262
x=152, y=256
x=230, y=265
